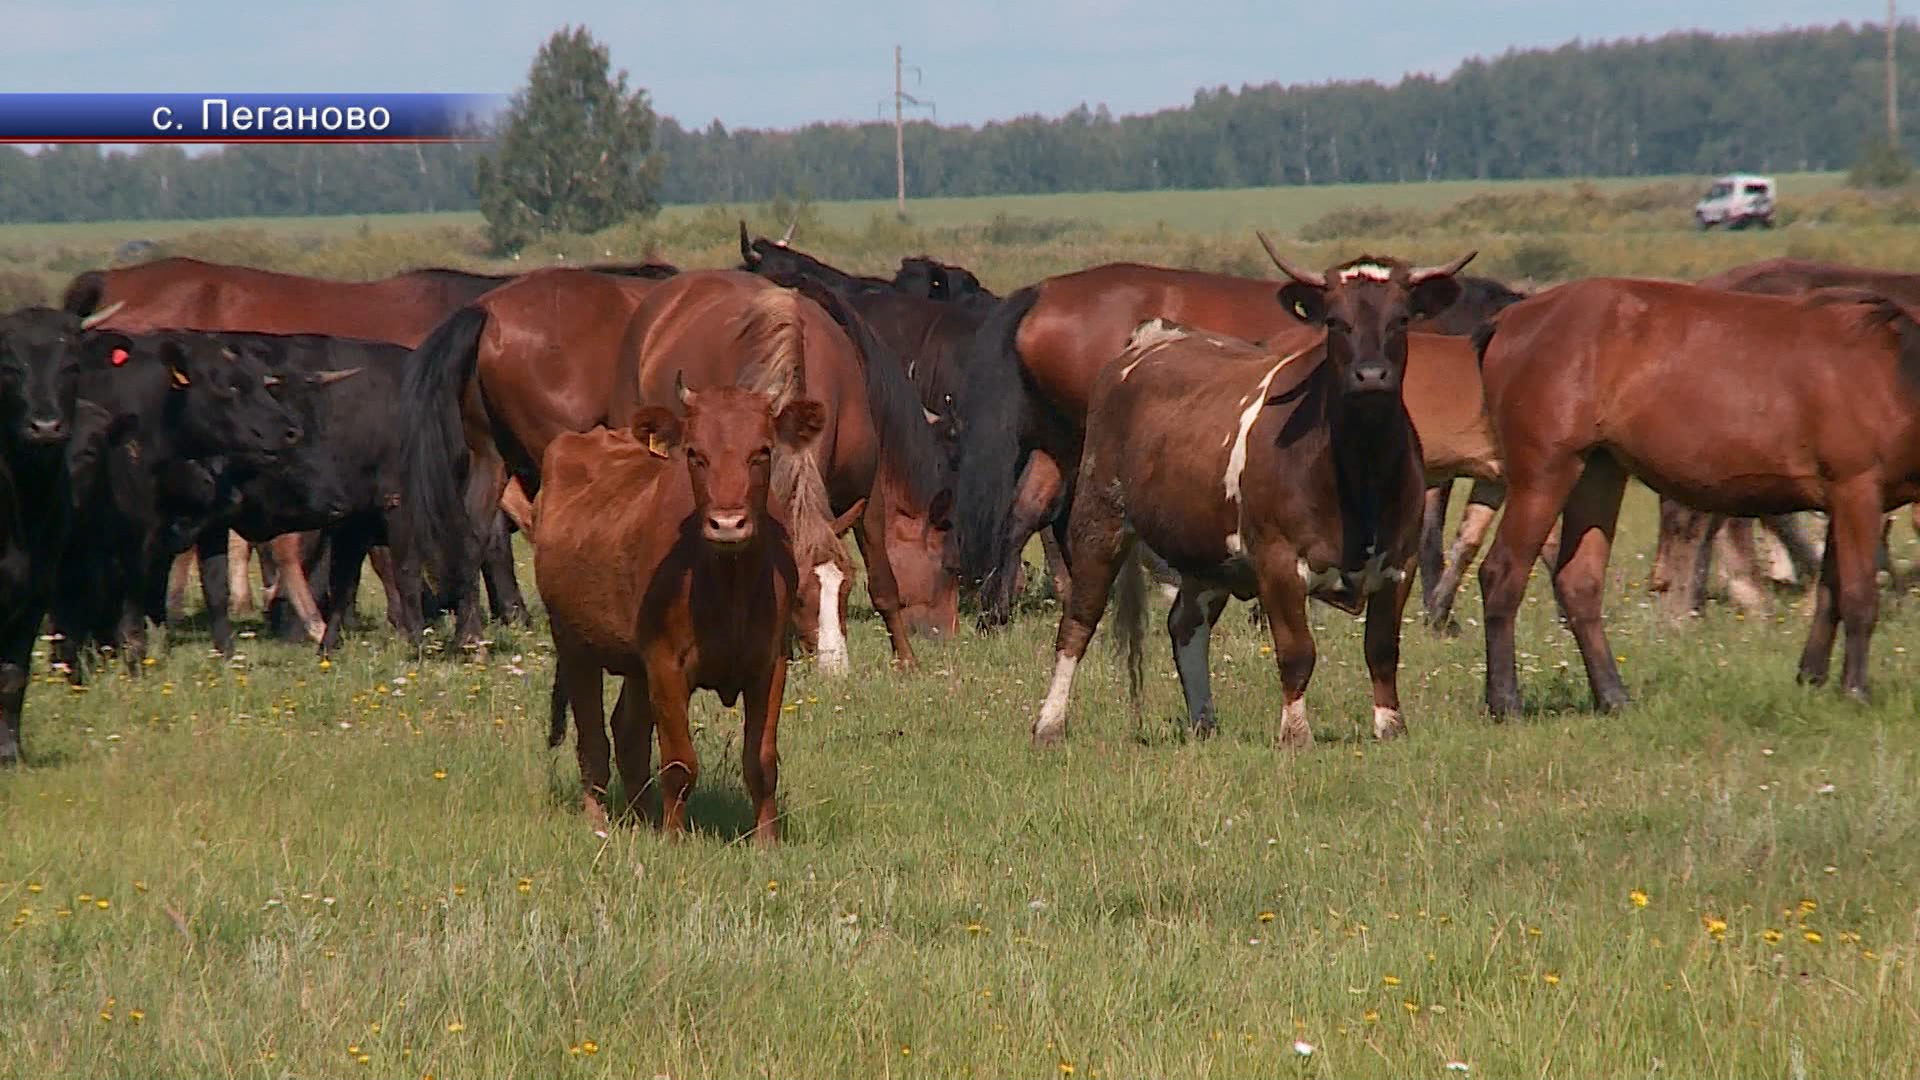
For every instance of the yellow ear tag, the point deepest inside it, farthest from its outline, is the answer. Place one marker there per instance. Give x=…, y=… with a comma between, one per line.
x=1300, y=309
x=179, y=377
x=655, y=447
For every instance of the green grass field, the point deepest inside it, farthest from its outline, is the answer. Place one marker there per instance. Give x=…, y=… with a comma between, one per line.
x=1281, y=208
x=278, y=868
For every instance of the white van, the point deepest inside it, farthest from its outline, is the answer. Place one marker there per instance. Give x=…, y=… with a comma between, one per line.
x=1736, y=201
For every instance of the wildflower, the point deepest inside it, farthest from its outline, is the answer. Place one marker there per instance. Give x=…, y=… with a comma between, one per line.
x=439, y=774
x=1371, y=1016
x=1066, y=1068
x=34, y=886
x=1412, y=1007
x=139, y=886
x=1771, y=936
x=1808, y=907
x=103, y=903
x=1715, y=925
x=589, y=1047
x=1533, y=931
x=574, y=1050
x=773, y=886
x=136, y=1015
x=1457, y=1066
x=1551, y=978
x=353, y=1048
x=906, y=1051
x=1813, y=937
x=363, y=1059
x=975, y=928
x=455, y=1027
x=525, y=885
x=1303, y=1047
x=1639, y=898
x=1390, y=980
x=1266, y=916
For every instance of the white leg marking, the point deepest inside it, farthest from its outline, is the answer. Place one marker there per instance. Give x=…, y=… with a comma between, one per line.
x=1053, y=711
x=1387, y=723
x=1169, y=592
x=1235, y=546
x=1294, y=731
x=833, y=643
x=1250, y=411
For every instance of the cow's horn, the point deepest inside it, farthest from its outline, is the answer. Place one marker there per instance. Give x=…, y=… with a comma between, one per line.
x=1421, y=274
x=746, y=245
x=680, y=391
x=787, y=237
x=328, y=378
x=1304, y=277
x=102, y=315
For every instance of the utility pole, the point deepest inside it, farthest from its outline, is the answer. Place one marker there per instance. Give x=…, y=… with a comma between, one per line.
x=1893, y=84
x=902, y=99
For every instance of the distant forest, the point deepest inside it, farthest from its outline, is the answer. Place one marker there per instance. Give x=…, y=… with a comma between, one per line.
x=1681, y=104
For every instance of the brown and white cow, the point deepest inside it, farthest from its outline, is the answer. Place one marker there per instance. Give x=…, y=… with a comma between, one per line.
x=661, y=558
x=1257, y=475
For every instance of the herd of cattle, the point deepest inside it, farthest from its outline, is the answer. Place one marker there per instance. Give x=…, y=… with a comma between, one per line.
x=685, y=450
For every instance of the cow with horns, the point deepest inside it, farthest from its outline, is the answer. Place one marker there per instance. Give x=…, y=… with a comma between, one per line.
x=1280, y=477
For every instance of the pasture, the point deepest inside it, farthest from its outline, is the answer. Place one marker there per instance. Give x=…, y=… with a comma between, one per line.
x=280, y=868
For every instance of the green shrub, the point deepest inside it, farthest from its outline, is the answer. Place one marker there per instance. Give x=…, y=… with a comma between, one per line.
x=1880, y=165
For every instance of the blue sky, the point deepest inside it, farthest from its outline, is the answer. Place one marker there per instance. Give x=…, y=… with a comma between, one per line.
x=753, y=63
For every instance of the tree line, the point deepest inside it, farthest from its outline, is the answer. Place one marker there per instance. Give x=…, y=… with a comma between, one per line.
x=1686, y=103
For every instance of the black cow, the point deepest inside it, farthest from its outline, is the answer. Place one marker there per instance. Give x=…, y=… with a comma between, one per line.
x=39, y=414
x=342, y=478
x=171, y=403
x=920, y=275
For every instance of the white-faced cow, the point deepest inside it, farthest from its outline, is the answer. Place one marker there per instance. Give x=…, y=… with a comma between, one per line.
x=1257, y=475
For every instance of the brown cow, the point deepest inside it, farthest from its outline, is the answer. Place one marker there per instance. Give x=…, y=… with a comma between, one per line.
x=661, y=558
x=1733, y=403
x=1258, y=471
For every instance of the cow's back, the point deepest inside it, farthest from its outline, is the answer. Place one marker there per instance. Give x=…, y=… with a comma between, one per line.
x=607, y=514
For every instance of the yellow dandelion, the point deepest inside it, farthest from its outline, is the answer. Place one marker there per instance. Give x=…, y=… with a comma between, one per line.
x=459, y=890
x=363, y=1059
x=103, y=903
x=906, y=1051
x=136, y=1015
x=1639, y=898
x=1551, y=978
x=525, y=885
x=34, y=886
x=84, y=898
x=374, y=1028
x=1066, y=1068
x=1869, y=954
x=139, y=886
x=106, y=1014
x=1533, y=931
x=1771, y=936
x=1412, y=1007
x=1390, y=980
x=1715, y=925
x=773, y=885
x=455, y=1027
x=439, y=774
x=1813, y=937
x=1371, y=1016
x=975, y=928
x=574, y=1050
x=589, y=1047
x=353, y=1048
x=63, y=912
x=1266, y=916
x=1808, y=907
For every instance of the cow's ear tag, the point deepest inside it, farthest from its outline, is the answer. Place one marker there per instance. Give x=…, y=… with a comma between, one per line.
x=118, y=358
x=655, y=446
x=179, y=377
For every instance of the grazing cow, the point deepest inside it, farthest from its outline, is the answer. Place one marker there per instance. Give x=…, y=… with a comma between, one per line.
x=39, y=412
x=184, y=415
x=1257, y=471
x=1729, y=402
x=661, y=559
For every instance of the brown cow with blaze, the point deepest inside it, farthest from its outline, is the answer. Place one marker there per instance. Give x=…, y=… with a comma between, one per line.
x=661, y=559
x=1257, y=471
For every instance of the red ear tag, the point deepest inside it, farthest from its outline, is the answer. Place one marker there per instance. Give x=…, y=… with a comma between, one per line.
x=119, y=357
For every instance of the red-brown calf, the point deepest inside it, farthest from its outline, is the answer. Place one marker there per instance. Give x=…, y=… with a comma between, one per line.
x=660, y=558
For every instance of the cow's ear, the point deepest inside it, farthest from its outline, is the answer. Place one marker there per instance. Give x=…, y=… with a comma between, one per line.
x=1433, y=296
x=174, y=355
x=800, y=422
x=657, y=428
x=1308, y=303
x=106, y=348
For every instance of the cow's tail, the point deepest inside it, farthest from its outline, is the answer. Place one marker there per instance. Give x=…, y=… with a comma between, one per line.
x=1130, y=620
x=433, y=448
x=991, y=412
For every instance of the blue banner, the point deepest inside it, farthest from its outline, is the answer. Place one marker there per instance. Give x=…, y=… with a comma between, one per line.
x=247, y=118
